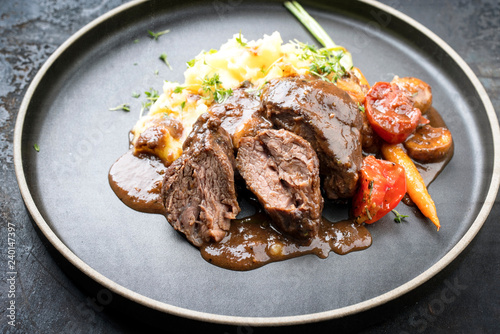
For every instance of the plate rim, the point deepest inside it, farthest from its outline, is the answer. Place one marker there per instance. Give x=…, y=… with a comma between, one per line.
x=258, y=321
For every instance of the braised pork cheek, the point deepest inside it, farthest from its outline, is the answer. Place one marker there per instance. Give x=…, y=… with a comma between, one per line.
x=326, y=117
x=282, y=170
x=198, y=191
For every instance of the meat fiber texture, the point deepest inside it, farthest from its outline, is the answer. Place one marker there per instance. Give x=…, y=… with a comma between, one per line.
x=240, y=115
x=326, y=117
x=199, y=193
x=282, y=170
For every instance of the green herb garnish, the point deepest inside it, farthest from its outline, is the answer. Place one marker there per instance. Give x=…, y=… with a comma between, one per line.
x=151, y=97
x=370, y=186
x=240, y=42
x=191, y=62
x=178, y=89
x=213, y=86
x=361, y=107
x=123, y=106
x=368, y=214
x=163, y=57
x=327, y=60
x=399, y=217
x=36, y=147
x=136, y=95
x=156, y=35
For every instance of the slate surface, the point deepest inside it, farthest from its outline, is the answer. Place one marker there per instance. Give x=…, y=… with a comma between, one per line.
x=51, y=297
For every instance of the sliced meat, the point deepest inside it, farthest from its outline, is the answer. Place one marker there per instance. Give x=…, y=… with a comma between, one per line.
x=326, y=117
x=282, y=170
x=198, y=191
x=240, y=115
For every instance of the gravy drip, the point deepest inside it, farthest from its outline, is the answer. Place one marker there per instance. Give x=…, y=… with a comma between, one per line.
x=137, y=180
x=252, y=242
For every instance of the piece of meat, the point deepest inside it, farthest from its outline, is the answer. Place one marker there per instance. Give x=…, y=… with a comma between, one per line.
x=240, y=115
x=282, y=170
x=326, y=117
x=370, y=140
x=198, y=191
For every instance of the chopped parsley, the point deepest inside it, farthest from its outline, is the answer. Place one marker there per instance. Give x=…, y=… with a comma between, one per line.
x=191, y=62
x=36, y=147
x=399, y=217
x=213, y=86
x=156, y=35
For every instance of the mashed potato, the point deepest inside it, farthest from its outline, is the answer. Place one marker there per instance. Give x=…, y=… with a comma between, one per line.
x=180, y=105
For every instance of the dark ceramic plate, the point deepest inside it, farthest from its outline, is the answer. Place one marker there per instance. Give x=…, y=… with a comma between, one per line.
x=139, y=256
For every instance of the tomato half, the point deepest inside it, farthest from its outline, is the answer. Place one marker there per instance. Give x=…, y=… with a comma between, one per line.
x=391, y=112
x=382, y=186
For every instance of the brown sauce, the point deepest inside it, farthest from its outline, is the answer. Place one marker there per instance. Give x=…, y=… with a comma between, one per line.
x=251, y=241
x=136, y=180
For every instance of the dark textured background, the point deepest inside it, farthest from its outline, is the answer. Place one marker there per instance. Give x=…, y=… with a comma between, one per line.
x=51, y=297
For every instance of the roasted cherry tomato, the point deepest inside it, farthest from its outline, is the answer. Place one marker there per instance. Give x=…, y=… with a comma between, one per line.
x=382, y=186
x=391, y=112
x=420, y=93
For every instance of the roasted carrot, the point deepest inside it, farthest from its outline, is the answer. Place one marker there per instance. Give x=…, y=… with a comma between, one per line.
x=416, y=188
